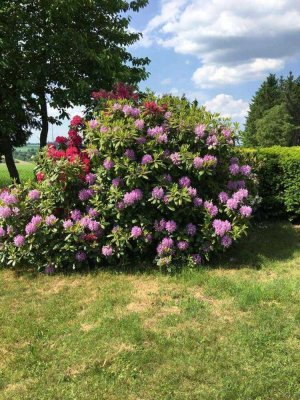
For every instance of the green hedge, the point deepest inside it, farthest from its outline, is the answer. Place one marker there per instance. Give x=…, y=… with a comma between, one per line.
x=278, y=173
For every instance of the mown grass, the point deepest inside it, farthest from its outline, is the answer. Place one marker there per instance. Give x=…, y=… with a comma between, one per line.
x=231, y=332
x=25, y=170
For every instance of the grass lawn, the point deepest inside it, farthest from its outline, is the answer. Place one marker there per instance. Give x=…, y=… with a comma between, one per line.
x=25, y=170
x=231, y=332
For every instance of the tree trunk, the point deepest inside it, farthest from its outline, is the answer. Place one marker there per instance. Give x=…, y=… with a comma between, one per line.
x=8, y=155
x=44, y=115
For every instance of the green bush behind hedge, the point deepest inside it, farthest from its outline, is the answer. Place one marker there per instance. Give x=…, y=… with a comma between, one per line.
x=278, y=172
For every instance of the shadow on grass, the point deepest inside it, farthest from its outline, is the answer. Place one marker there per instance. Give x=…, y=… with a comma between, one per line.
x=265, y=243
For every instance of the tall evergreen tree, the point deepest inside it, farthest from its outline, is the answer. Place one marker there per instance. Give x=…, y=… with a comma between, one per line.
x=267, y=96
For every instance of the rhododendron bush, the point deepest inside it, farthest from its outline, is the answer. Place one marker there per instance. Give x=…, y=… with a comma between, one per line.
x=152, y=178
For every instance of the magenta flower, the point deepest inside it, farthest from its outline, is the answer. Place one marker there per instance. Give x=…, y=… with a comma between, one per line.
x=232, y=204
x=226, y=133
x=158, y=193
x=92, y=212
x=85, y=194
x=171, y=226
x=246, y=211
x=198, y=162
x=156, y=131
x=165, y=246
x=223, y=197
x=245, y=170
x=132, y=197
x=200, y=131
x=75, y=215
x=147, y=158
x=130, y=154
x=221, y=227
x=196, y=258
x=85, y=221
x=191, y=229
x=136, y=232
x=162, y=138
x=93, y=124
x=80, y=256
x=34, y=194
x=159, y=226
x=30, y=228
x=116, y=181
x=108, y=164
x=234, y=169
x=197, y=202
x=192, y=191
x=36, y=219
x=212, y=141
x=226, y=241
x=8, y=198
x=210, y=160
x=5, y=212
x=51, y=220
x=19, y=241
x=240, y=194
x=175, y=158
x=185, y=181
x=183, y=245
x=94, y=226
x=139, y=124
x=90, y=178
x=107, y=251
x=67, y=224
x=212, y=210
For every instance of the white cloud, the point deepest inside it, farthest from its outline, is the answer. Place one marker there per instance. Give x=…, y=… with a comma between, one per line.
x=228, y=106
x=234, y=34
x=213, y=75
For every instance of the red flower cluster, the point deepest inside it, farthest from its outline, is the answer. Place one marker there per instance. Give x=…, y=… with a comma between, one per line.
x=76, y=121
x=70, y=148
x=120, y=91
x=153, y=108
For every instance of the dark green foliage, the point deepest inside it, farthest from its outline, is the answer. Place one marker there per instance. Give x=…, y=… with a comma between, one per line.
x=64, y=49
x=279, y=179
x=274, y=115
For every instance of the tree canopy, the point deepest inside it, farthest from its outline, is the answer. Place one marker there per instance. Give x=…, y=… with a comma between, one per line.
x=68, y=48
x=275, y=99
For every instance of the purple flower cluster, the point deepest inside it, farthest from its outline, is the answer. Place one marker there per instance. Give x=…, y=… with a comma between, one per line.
x=139, y=124
x=158, y=193
x=131, y=111
x=90, y=178
x=85, y=194
x=191, y=229
x=117, y=181
x=19, y=241
x=184, y=181
x=171, y=226
x=223, y=197
x=51, y=220
x=226, y=241
x=147, y=158
x=183, y=245
x=107, y=251
x=175, y=158
x=211, y=208
x=132, y=197
x=246, y=211
x=200, y=131
x=212, y=141
x=75, y=215
x=129, y=153
x=80, y=256
x=34, y=194
x=5, y=212
x=136, y=232
x=108, y=164
x=67, y=224
x=33, y=225
x=165, y=246
x=8, y=198
x=221, y=227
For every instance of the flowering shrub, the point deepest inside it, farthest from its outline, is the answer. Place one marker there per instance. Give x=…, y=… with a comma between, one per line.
x=155, y=178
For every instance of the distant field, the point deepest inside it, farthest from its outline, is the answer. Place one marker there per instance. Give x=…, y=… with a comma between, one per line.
x=25, y=170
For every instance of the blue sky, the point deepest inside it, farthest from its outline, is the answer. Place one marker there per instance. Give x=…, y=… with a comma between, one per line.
x=218, y=51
